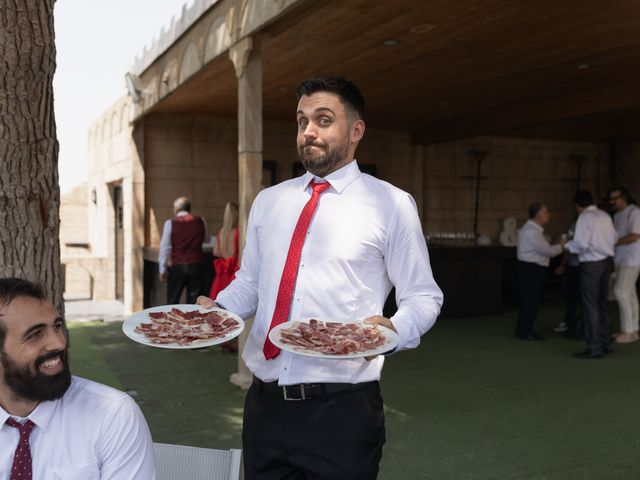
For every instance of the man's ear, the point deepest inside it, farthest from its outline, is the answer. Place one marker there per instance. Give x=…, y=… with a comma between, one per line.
x=357, y=131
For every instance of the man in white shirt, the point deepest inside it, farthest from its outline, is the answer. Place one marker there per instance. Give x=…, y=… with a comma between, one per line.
x=53, y=424
x=594, y=243
x=534, y=252
x=627, y=262
x=309, y=417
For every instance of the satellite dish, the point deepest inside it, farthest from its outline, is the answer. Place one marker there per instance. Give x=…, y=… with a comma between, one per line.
x=133, y=86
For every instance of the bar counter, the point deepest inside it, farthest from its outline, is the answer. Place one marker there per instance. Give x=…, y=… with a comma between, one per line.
x=475, y=280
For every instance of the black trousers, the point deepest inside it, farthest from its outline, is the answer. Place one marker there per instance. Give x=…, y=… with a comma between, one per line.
x=190, y=275
x=530, y=281
x=594, y=287
x=332, y=437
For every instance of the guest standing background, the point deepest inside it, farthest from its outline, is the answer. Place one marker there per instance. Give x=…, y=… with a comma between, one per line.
x=225, y=250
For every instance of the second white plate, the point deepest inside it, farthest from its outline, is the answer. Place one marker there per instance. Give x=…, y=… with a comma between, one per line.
x=391, y=342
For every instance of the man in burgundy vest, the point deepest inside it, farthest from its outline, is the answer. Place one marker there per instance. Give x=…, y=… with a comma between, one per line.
x=180, y=258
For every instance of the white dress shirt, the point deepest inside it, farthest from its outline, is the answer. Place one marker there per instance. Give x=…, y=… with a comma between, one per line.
x=92, y=432
x=595, y=237
x=533, y=247
x=628, y=221
x=165, y=240
x=365, y=236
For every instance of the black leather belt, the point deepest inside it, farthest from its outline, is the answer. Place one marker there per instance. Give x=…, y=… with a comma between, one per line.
x=310, y=391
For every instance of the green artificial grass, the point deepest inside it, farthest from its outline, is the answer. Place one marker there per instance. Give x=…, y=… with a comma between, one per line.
x=86, y=358
x=185, y=394
x=471, y=402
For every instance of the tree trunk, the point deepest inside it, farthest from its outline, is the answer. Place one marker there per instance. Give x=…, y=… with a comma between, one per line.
x=29, y=190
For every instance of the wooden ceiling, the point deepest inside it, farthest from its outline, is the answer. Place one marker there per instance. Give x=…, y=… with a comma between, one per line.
x=454, y=68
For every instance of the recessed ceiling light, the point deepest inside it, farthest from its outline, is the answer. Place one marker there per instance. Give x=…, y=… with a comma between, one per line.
x=422, y=28
x=583, y=66
x=390, y=42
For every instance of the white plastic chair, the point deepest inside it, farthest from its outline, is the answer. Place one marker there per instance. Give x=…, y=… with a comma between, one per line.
x=179, y=462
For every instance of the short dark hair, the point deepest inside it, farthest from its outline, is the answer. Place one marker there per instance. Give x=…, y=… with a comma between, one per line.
x=534, y=208
x=583, y=198
x=346, y=90
x=625, y=194
x=12, y=288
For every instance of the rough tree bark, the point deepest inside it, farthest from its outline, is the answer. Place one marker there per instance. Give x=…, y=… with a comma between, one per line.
x=29, y=190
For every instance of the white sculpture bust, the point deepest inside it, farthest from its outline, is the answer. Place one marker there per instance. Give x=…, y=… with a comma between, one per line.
x=509, y=234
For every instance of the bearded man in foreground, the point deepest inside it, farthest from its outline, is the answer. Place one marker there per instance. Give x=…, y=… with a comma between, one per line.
x=53, y=424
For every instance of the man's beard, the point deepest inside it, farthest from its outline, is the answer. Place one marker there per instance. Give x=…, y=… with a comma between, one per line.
x=321, y=164
x=37, y=386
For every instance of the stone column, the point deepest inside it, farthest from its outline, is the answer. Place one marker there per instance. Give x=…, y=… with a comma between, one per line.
x=135, y=269
x=247, y=61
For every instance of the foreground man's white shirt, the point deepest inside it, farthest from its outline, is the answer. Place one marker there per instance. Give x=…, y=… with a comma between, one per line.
x=365, y=236
x=92, y=432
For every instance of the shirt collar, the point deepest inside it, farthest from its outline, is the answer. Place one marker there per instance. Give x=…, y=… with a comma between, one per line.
x=539, y=227
x=339, y=180
x=41, y=415
x=628, y=208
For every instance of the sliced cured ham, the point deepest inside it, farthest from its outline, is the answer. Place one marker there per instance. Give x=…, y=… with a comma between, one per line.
x=333, y=338
x=185, y=328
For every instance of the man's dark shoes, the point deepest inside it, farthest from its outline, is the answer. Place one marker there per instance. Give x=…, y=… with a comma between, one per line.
x=587, y=355
x=534, y=337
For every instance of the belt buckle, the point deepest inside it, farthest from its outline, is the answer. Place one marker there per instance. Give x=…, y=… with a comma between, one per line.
x=302, y=395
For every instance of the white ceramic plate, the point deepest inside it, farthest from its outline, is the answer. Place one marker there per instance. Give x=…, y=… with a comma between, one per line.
x=134, y=320
x=390, y=343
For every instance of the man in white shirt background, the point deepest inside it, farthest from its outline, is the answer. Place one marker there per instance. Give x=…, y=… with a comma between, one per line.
x=533, y=252
x=594, y=242
x=317, y=417
x=53, y=424
x=627, y=262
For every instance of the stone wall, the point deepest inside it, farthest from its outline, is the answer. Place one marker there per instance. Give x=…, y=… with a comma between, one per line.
x=514, y=173
x=191, y=156
x=74, y=242
x=115, y=164
x=628, y=167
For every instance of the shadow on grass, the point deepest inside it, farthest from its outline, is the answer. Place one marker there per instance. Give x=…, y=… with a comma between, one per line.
x=185, y=394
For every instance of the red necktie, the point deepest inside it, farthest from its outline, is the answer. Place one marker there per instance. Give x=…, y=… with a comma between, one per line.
x=21, y=468
x=290, y=272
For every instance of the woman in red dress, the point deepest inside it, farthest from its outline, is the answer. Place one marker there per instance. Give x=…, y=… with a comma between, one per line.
x=225, y=257
x=225, y=251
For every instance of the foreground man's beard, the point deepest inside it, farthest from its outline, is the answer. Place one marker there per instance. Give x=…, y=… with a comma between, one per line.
x=319, y=163
x=37, y=386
